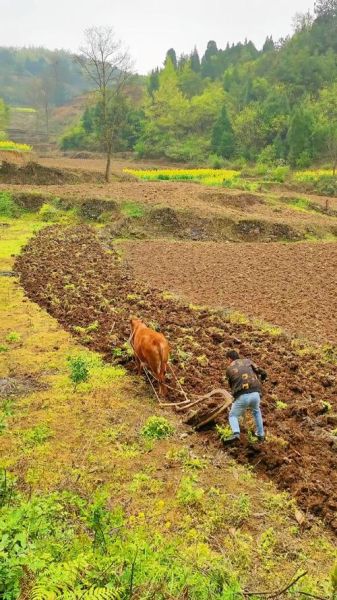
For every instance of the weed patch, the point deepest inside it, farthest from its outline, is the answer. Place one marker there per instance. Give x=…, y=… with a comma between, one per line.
x=133, y=210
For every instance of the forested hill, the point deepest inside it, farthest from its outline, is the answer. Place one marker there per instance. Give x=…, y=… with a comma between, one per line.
x=27, y=75
x=240, y=103
x=279, y=101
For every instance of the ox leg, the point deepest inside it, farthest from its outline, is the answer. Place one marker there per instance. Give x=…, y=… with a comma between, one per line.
x=162, y=385
x=138, y=365
x=162, y=389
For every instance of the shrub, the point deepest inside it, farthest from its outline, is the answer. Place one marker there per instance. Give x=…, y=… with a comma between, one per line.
x=189, y=493
x=278, y=174
x=215, y=161
x=327, y=185
x=79, y=369
x=48, y=212
x=267, y=156
x=304, y=160
x=7, y=206
x=223, y=432
x=157, y=428
x=74, y=138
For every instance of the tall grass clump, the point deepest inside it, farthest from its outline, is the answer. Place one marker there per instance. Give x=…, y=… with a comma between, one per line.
x=8, y=208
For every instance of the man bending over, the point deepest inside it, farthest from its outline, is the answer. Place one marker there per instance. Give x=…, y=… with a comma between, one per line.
x=244, y=378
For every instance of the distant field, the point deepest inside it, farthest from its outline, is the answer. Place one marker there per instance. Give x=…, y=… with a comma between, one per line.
x=291, y=285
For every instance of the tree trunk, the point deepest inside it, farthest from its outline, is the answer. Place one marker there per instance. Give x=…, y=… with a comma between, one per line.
x=46, y=111
x=107, y=168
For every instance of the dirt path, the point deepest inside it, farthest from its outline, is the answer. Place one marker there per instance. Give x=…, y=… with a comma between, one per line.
x=80, y=283
x=291, y=285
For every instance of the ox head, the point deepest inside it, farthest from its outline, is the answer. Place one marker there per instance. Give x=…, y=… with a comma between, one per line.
x=135, y=323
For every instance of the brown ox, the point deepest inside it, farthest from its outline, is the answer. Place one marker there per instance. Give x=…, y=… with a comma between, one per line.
x=152, y=350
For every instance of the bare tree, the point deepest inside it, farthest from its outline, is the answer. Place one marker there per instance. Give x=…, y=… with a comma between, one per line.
x=40, y=94
x=108, y=66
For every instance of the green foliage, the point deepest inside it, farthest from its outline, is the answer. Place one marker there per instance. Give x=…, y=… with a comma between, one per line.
x=4, y=115
x=215, y=161
x=122, y=124
x=277, y=174
x=85, y=332
x=157, y=428
x=327, y=185
x=76, y=138
x=224, y=432
x=223, y=141
x=79, y=369
x=189, y=494
x=70, y=548
x=48, y=212
x=13, y=337
x=334, y=580
x=8, y=207
x=300, y=137
x=281, y=405
x=37, y=435
x=132, y=210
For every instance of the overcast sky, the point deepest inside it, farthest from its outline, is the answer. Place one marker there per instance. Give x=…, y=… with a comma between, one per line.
x=148, y=27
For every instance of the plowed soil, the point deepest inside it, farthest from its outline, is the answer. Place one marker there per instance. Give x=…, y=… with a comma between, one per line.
x=291, y=285
x=71, y=274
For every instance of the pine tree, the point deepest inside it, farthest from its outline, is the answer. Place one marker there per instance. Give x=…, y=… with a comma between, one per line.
x=153, y=81
x=195, y=61
x=269, y=44
x=171, y=54
x=223, y=142
x=326, y=8
x=208, y=67
x=300, y=134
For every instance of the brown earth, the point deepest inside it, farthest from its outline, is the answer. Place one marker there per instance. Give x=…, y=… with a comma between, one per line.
x=214, y=215
x=37, y=174
x=69, y=272
x=290, y=285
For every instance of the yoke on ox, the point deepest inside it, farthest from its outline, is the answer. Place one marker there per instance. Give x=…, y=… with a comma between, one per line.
x=151, y=350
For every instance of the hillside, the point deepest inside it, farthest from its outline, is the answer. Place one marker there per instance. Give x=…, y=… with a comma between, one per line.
x=27, y=75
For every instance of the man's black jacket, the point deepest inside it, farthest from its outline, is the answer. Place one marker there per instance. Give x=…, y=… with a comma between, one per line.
x=244, y=377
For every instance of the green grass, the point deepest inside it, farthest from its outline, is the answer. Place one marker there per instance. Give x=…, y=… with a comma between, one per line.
x=132, y=210
x=23, y=109
x=15, y=235
x=300, y=204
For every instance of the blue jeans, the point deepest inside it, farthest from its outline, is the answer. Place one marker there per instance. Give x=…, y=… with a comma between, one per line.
x=240, y=405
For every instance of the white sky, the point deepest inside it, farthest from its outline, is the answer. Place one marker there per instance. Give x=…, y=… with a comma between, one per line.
x=148, y=27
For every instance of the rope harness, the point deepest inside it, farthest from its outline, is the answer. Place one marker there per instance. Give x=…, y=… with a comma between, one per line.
x=187, y=403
